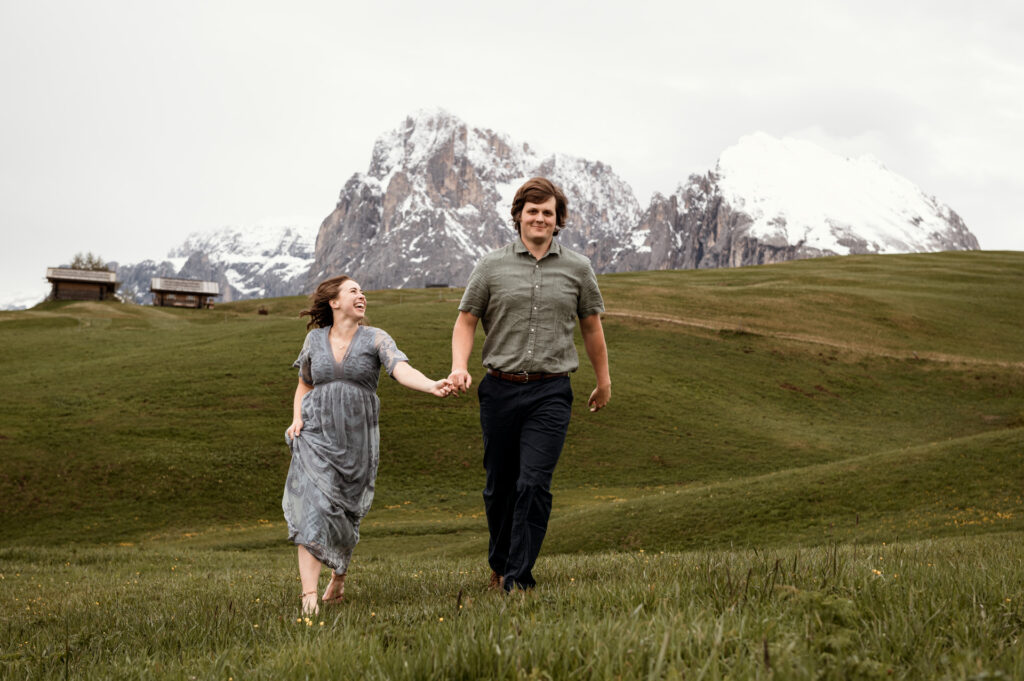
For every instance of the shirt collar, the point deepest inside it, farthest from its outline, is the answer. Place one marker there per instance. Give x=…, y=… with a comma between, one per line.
x=519, y=247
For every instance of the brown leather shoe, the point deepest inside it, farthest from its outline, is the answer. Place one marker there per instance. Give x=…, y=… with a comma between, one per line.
x=497, y=581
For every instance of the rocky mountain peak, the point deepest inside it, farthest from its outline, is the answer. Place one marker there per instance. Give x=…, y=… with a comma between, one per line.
x=432, y=140
x=437, y=192
x=436, y=197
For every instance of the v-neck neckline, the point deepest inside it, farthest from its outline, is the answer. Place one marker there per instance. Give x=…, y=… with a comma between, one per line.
x=330, y=349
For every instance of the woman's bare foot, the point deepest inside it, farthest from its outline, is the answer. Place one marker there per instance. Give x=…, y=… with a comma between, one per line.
x=309, y=604
x=335, y=590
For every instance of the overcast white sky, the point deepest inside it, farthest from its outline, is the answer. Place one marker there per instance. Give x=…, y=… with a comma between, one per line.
x=127, y=125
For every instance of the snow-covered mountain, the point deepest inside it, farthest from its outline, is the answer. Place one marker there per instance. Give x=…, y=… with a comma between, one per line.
x=797, y=193
x=770, y=200
x=437, y=192
x=253, y=262
x=436, y=197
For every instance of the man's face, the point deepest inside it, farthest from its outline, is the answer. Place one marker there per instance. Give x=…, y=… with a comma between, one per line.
x=538, y=221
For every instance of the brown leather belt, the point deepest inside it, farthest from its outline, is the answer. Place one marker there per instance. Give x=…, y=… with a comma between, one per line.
x=524, y=377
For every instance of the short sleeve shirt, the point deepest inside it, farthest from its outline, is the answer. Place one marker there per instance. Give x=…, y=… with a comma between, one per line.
x=529, y=307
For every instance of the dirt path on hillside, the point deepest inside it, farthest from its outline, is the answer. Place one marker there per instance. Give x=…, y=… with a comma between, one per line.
x=819, y=340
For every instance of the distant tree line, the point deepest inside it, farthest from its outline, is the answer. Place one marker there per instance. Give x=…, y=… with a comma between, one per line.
x=88, y=261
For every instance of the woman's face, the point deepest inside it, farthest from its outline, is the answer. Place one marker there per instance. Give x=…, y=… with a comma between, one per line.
x=350, y=301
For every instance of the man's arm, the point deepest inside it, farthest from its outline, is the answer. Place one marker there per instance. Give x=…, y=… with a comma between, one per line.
x=462, y=345
x=597, y=351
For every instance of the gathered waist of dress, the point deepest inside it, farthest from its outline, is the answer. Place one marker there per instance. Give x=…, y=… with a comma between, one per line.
x=345, y=381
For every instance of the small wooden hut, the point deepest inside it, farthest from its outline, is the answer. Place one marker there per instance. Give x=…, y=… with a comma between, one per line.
x=168, y=292
x=69, y=284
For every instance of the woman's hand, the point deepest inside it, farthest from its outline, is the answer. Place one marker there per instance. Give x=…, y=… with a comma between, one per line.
x=442, y=388
x=301, y=390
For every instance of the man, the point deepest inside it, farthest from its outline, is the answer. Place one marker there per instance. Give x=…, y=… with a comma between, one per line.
x=528, y=295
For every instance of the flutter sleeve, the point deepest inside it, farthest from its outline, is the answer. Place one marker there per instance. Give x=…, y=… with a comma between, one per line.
x=388, y=352
x=304, y=361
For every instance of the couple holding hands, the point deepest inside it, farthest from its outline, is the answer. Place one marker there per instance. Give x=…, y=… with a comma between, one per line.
x=529, y=295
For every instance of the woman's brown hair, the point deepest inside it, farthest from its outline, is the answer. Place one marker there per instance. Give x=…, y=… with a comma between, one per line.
x=539, y=190
x=320, y=311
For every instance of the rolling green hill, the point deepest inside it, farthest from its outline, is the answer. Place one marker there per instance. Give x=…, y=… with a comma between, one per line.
x=804, y=402
x=808, y=471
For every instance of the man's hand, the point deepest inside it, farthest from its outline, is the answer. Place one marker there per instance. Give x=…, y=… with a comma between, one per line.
x=600, y=397
x=597, y=351
x=461, y=380
x=462, y=345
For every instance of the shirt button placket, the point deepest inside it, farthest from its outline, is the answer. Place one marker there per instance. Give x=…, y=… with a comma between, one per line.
x=534, y=300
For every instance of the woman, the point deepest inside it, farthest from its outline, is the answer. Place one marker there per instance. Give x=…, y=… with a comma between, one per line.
x=333, y=436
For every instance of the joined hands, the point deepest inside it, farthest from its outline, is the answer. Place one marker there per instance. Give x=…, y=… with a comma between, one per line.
x=442, y=388
x=460, y=380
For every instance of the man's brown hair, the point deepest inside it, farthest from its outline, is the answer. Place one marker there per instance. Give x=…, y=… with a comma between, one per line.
x=539, y=190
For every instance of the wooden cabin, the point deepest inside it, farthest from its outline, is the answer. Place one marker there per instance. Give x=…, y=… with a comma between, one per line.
x=168, y=292
x=69, y=284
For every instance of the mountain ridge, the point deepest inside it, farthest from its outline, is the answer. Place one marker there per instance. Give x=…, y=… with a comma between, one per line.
x=436, y=195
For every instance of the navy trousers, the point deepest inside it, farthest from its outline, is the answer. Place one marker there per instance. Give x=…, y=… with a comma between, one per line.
x=524, y=426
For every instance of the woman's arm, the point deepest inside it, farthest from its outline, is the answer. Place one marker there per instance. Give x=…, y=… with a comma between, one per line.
x=462, y=345
x=300, y=391
x=597, y=351
x=412, y=378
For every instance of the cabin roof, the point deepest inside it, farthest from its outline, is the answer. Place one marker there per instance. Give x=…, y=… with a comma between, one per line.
x=170, y=285
x=90, y=276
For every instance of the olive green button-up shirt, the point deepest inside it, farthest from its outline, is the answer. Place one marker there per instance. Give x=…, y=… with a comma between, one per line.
x=529, y=307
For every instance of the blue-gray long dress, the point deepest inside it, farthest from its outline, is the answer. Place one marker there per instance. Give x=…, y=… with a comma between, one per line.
x=334, y=459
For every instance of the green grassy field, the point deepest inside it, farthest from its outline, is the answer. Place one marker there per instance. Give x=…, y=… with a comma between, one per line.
x=933, y=609
x=819, y=413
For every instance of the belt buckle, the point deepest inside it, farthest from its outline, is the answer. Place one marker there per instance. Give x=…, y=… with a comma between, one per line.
x=526, y=376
